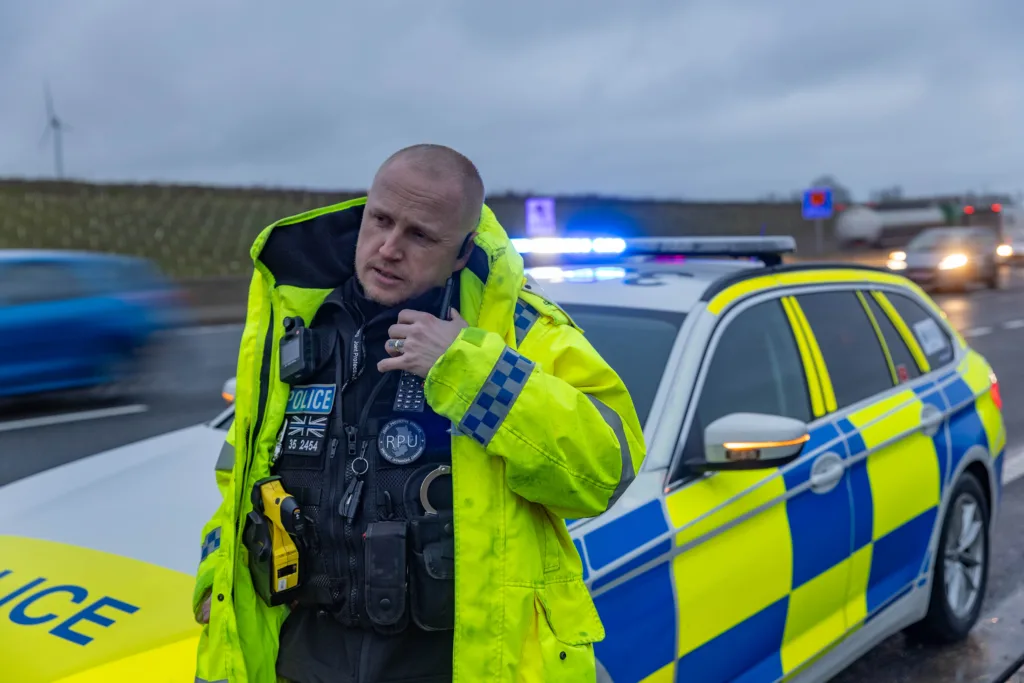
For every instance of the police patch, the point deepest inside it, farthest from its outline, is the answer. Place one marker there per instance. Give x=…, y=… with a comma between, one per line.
x=401, y=441
x=315, y=399
x=304, y=434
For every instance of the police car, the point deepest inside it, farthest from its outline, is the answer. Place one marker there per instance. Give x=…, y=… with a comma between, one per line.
x=824, y=464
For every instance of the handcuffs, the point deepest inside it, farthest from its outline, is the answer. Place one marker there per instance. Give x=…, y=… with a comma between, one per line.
x=441, y=471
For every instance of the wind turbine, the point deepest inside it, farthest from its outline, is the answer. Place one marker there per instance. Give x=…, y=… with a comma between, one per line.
x=57, y=126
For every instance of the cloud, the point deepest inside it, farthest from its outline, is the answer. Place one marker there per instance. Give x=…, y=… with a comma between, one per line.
x=701, y=99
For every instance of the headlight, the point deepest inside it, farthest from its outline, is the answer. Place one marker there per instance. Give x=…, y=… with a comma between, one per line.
x=894, y=264
x=898, y=256
x=1004, y=250
x=953, y=261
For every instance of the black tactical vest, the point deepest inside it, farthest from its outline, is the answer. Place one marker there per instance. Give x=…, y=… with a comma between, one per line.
x=379, y=544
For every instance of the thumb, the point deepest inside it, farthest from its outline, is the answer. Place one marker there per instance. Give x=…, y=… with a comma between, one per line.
x=455, y=315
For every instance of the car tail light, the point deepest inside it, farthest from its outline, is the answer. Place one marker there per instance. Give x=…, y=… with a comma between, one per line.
x=997, y=398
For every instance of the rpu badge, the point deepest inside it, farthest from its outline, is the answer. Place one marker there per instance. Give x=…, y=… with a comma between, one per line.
x=401, y=441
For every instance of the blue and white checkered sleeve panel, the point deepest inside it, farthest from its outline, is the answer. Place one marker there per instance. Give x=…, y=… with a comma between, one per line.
x=496, y=397
x=210, y=543
x=525, y=316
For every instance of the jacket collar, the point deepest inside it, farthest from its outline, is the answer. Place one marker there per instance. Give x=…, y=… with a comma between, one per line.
x=316, y=250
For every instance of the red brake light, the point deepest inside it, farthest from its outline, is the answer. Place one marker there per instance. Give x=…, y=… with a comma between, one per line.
x=997, y=398
x=968, y=210
x=997, y=207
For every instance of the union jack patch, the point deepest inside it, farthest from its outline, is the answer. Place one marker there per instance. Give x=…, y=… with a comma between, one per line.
x=305, y=434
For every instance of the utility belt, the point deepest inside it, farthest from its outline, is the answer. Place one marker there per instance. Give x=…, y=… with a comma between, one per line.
x=406, y=573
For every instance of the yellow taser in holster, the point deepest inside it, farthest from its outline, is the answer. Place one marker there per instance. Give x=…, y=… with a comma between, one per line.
x=270, y=535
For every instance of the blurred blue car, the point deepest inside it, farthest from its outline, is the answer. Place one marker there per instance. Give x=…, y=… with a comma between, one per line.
x=77, y=320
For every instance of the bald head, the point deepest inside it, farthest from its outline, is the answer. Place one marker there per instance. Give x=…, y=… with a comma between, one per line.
x=438, y=163
x=421, y=212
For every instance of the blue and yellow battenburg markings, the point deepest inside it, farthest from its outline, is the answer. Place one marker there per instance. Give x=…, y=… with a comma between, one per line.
x=812, y=585
x=317, y=399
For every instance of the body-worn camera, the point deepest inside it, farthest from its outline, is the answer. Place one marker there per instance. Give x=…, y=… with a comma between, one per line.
x=301, y=350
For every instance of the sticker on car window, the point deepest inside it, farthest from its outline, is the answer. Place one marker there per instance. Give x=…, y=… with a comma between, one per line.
x=930, y=337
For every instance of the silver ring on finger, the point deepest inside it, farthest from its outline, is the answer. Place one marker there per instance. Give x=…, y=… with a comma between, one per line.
x=398, y=345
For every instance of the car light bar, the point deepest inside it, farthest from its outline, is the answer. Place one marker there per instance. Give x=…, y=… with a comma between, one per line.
x=570, y=245
x=768, y=248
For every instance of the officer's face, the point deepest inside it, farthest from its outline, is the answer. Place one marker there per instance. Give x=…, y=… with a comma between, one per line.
x=410, y=235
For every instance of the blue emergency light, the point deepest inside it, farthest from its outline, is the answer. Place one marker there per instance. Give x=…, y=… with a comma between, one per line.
x=570, y=245
x=768, y=249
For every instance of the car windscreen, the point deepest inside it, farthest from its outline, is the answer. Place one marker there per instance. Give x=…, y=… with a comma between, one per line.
x=933, y=240
x=636, y=343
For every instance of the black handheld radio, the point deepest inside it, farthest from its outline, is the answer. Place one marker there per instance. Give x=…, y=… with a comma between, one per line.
x=409, y=398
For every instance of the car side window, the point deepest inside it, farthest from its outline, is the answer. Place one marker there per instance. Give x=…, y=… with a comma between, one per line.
x=755, y=368
x=849, y=346
x=37, y=282
x=902, y=359
x=935, y=341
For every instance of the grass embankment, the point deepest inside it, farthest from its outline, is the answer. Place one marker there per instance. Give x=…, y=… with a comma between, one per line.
x=190, y=232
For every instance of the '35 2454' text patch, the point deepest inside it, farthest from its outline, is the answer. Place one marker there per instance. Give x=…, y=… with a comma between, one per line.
x=306, y=417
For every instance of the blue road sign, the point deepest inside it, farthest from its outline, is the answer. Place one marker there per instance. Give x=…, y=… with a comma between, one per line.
x=540, y=217
x=818, y=203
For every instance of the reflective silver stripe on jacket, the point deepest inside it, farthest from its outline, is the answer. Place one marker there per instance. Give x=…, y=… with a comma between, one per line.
x=203, y=680
x=615, y=422
x=226, y=459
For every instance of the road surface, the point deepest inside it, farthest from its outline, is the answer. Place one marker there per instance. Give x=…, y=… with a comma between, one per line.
x=183, y=388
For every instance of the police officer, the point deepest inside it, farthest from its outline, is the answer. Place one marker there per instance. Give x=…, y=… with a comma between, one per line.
x=421, y=450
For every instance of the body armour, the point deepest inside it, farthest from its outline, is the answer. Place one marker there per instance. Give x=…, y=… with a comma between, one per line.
x=370, y=467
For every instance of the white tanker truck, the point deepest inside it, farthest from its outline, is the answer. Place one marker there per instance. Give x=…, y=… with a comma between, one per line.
x=862, y=225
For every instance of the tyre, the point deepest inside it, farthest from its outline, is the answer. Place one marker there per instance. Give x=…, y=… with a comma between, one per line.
x=960, y=576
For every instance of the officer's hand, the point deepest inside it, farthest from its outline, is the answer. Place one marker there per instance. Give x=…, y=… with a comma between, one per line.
x=421, y=339
x=203, y=617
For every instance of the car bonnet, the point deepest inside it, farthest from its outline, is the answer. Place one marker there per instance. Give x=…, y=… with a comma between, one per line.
x=97, y=562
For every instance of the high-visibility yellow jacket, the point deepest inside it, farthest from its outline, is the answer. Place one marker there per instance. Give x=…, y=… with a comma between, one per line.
x=567, y=443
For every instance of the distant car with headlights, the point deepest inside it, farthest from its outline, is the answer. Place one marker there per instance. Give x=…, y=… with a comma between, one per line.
x=77, y=320
x=951, y=257
x=1011, y=249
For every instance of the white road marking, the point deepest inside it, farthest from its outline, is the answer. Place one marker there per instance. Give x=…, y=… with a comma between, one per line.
x=80, y=416
x=977, y=332
x=1013, y=467
x=1013, y=324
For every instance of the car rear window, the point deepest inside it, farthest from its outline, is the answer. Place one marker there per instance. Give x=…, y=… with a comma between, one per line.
x=636, y=343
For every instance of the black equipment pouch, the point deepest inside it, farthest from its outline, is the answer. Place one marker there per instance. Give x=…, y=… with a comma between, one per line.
x=432, y=571
x=385, y=581
x=256, y=538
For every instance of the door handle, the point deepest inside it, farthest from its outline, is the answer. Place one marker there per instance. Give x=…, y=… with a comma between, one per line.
x=931, y=419
x=826, y=472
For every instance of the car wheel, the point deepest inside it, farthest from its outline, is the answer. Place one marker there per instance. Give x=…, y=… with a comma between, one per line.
x=960, y=576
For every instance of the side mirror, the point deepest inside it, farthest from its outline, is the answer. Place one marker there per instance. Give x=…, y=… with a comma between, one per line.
x=228, y=392
x=750, y=441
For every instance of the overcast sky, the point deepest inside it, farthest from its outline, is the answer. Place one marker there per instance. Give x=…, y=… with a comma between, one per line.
x=666, y=98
